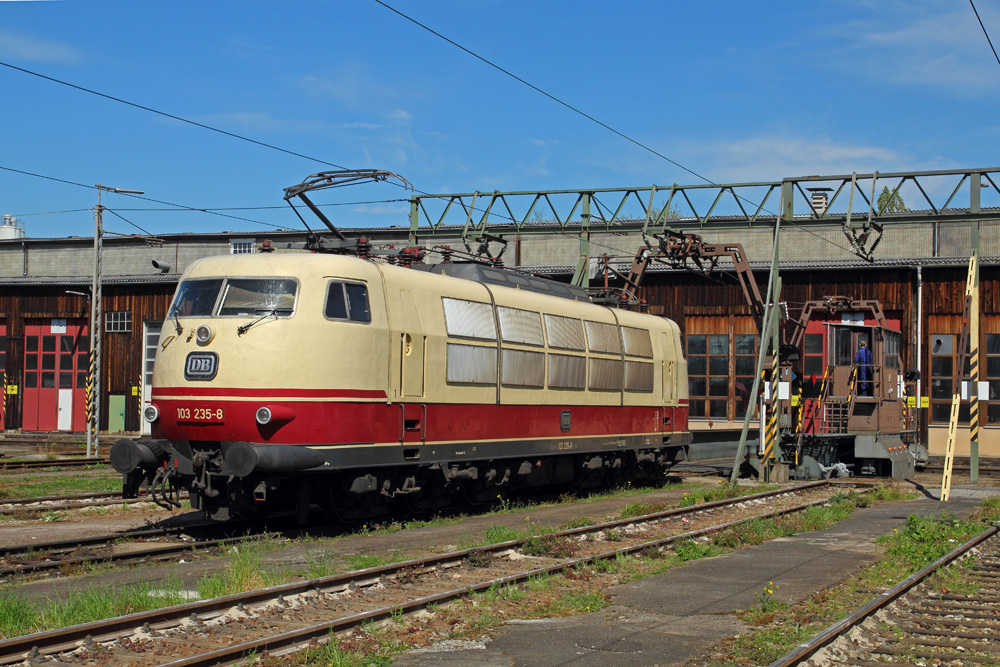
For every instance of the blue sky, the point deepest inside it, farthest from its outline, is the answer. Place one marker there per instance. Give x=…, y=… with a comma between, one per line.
x=735, y=91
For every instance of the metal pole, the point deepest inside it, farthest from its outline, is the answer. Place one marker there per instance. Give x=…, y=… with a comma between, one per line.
x=975, y=395
x=94, y=393
x=770, y=319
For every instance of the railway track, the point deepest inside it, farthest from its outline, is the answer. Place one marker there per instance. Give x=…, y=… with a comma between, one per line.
x=6, y=465
x=283, y=618
x=920, y=621
x=62, y=555
x=71, y=501
x=984, y=471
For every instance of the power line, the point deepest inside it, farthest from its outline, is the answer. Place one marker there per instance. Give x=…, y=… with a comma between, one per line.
x=155, y=201
x=546, y=94
x=116, y=214
x=990, y=41
x=168, y=115
x=583, y=113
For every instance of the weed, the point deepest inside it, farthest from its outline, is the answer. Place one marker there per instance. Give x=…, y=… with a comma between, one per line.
x=691, y=550
x=612, y=535
x=578, y=522
x=481, y=558
x=365, y=561
x=320, y=565
x=765, y=597
x=583, y=603
x=640, y=509
x=500, y=593
x=497, y=534
x=539, y=583
x=243, y=570
x=550, y=546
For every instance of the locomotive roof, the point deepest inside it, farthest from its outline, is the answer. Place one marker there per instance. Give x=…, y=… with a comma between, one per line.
x=506, y=278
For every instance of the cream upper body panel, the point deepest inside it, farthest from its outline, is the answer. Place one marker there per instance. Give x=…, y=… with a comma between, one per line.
x=409, y=351
x=304, y=350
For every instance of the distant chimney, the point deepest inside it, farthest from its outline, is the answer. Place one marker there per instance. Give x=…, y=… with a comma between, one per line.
x=819, y=199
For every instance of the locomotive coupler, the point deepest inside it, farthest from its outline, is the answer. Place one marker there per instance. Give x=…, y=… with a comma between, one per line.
x=203, y=481
x=162, y=489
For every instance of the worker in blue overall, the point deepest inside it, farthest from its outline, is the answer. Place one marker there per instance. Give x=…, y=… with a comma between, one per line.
x=863, y=362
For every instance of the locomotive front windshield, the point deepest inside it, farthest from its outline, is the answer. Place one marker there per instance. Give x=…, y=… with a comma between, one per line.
x=234, y=297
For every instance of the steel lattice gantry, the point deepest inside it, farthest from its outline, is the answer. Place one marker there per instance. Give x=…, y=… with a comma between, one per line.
x=861, y=205
x=850, y=201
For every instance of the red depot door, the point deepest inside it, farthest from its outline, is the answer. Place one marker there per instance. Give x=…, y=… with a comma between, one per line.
x=56, y=356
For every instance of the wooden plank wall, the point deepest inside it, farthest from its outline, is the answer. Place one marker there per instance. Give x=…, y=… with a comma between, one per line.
x=674, y=295
x=121, y=352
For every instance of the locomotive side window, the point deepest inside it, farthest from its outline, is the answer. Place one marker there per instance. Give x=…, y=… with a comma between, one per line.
x=603, y=338
x=522, y=368
x=471, y=364
x=564, y=332
x=605, y=375
x=347, y=301
x=567, y=372
x=520, y=326
x=258, y=296
x=638, y=376
x=812, y=360
x=637, y=342
x=196, y=298
x=469, y=319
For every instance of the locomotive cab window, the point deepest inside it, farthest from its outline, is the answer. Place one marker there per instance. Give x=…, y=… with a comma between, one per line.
x=196, y=298
x=258, y=296
x=347, y=301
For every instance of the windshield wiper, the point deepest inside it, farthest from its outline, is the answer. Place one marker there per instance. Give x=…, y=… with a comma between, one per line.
x=268, y=312
x=177, y=321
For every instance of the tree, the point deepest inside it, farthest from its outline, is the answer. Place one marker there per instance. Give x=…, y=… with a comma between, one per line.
x=889, y=202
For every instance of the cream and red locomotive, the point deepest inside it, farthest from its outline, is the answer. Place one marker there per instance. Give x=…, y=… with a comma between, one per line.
x=287, y=381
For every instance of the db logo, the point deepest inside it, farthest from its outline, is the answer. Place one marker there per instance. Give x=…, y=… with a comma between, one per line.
x=201, y=366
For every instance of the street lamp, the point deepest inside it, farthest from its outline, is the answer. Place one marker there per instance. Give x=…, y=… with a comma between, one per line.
x=94, y=377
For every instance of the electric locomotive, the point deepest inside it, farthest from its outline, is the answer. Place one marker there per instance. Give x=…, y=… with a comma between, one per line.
x=289, y=381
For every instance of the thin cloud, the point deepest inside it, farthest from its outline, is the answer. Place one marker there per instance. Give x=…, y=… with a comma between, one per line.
x=939, y=45
x=763, y=158
x=25, y=47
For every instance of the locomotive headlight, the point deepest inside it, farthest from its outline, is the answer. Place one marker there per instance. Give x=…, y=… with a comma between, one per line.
x=264, y=416
x=203, y=334
x=151, y=413
x=274, y=415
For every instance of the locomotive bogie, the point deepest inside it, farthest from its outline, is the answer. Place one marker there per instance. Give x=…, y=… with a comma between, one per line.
x=288, y=380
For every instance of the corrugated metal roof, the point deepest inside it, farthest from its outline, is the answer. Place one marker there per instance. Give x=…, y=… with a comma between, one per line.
x=153, y=278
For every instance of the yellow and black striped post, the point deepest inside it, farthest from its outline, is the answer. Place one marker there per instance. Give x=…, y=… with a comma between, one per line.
x=974, y=395
x=771, y=427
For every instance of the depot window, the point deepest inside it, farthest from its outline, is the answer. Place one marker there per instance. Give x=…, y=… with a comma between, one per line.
x=721, y=356
x=347, y=301
x=944, y=357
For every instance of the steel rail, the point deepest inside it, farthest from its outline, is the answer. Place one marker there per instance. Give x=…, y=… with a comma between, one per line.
x=92, y=540
x=806, y=649
x=53, y=463
x=153, y=552
x=310, y=633
x=65, y=497
x=17, y=649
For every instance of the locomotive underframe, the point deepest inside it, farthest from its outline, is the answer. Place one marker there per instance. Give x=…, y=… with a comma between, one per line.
x=231, y=479
x=823, y=456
